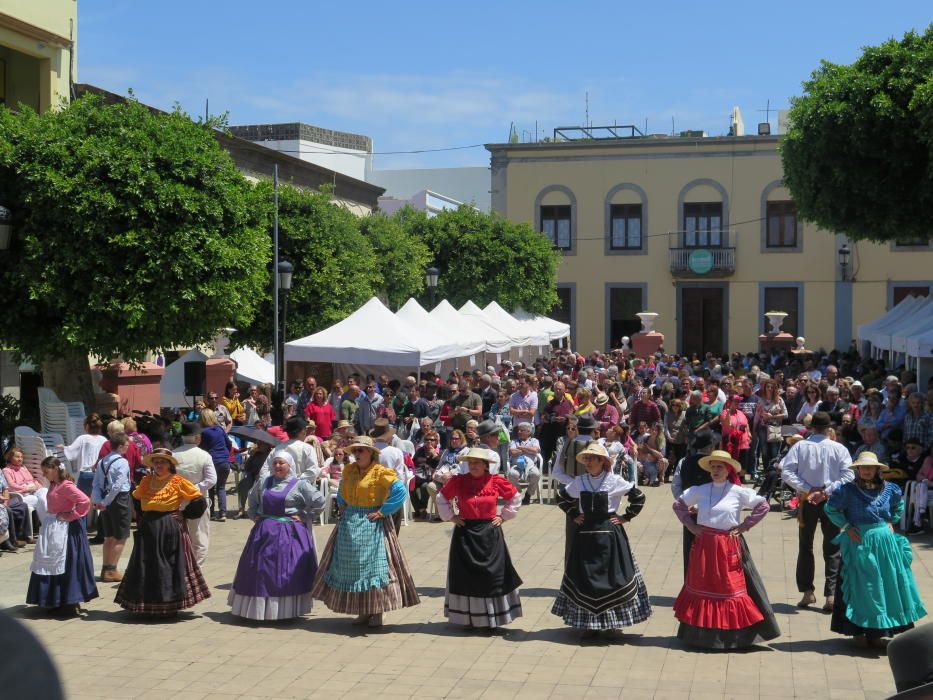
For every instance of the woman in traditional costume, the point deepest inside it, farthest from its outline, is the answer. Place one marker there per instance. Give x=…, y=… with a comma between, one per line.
x=277, y=567
x=482, y=585
x=163, y=576
x=602, y=589
x=363, y=571
x=62, y=569
x=876, y=594
x=723, y=604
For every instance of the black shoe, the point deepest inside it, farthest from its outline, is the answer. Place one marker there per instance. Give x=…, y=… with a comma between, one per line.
x=526, y=499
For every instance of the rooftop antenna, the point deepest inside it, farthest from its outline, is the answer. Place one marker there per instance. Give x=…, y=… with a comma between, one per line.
x=587, y=121
x=207, y=109
x=672, y=125
x=767, y=110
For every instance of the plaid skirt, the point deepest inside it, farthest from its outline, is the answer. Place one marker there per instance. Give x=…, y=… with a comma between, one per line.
x=363, y=570
x=636, y=610
x=162, y=576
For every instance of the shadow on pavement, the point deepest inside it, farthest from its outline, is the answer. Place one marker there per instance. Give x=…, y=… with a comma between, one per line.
x=835, y=646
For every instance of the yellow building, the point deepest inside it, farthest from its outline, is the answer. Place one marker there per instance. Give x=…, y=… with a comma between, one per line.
x=699, y=230
x=38, y=42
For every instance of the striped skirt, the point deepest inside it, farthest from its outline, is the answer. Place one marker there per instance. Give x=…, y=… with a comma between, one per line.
x=363, y=570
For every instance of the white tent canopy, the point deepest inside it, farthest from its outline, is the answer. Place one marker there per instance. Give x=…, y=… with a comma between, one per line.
x=555, y=329
x=917, y=324
x=921, y=345
x=515, y=328
x=372, y=335
x=172, y=386
x=874, y=332
x=473, y=326
x=482, y=319
x=416, y=315
x=252, y=368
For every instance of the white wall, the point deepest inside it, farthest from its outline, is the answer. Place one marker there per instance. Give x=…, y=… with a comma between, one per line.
x=331, y=157
x=469, y=185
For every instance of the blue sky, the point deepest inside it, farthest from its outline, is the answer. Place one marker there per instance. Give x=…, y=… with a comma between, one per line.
x=420, y=75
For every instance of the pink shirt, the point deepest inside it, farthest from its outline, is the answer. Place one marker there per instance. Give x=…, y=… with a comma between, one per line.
x=19, y=478
x=65, y=498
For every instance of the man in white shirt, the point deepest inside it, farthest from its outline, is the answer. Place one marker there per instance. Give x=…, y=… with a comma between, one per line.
x=391, y=457
x=196, y=466
x=305, y=455
x=815, y=468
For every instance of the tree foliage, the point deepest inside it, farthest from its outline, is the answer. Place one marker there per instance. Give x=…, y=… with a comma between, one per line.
x=133, y=231
x=401, y=258
x=858, y=157
x=336, y=270
x=486, y=258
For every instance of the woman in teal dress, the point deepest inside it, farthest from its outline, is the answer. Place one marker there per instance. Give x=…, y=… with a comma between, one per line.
x=876, y=594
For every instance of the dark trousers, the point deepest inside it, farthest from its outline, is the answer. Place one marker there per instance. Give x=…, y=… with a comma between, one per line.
x=688, y=545
x=420, y=496
x=750, y=458
x=809, y=516
x=219, y=490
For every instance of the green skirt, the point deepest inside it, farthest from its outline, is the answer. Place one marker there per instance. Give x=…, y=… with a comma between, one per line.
x=878, y=587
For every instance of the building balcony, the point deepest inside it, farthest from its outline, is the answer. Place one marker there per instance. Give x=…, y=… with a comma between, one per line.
x=699, y=260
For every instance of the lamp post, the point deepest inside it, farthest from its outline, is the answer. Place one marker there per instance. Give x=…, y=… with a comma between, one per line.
x=844, y=253
x=6, y=228
x=285, y=270
x=430, y=278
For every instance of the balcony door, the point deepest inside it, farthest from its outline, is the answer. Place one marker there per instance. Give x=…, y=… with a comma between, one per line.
x=702, y=320
x=702, y=225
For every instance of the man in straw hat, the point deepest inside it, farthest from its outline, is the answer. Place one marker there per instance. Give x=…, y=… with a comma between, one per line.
x=815, y=468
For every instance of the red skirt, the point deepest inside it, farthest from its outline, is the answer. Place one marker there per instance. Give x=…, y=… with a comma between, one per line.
x=714, y=595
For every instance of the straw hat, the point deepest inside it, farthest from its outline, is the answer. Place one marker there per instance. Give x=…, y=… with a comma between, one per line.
x=343, y=425
x=594, y=448
x=160, y=453
x=868, y=459
x=382, y=430
x=475, y=453
x=793, y=439
x=601, y=399
x=365, y=442
x=719, y=456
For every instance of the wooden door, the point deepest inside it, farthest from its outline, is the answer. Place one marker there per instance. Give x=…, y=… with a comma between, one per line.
x=702, y=319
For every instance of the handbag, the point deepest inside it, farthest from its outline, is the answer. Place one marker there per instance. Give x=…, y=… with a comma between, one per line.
x=195, y=509
x=774, y=433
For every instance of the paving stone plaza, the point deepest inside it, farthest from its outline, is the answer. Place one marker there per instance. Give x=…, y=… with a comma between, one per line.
x=208, y=653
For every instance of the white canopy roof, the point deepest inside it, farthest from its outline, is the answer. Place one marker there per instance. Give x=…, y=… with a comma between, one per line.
x=921, y=345
x=372, y=335
x=555, y=329
x=474, y=326
x=515, y=328
x=252, y=368
x=172, y=386
x=916, y=324
x=414, y=314
x=874, y=331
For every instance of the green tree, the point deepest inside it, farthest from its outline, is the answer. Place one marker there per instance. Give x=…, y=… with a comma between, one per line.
x=486, y=258
x=335, y=273
x=133, y=232
x=858, y=157
x=400, y=256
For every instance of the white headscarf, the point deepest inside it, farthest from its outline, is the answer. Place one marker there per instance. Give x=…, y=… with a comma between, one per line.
x=284, y=455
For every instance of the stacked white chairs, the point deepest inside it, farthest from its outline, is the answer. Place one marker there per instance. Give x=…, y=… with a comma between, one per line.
x=63, y=417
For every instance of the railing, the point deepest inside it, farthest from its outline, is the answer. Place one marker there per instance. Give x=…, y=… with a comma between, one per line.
x=699, y=261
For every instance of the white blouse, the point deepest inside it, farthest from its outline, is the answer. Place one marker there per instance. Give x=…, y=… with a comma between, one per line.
x=720, y=506
x=85, y=451
x=613, y=484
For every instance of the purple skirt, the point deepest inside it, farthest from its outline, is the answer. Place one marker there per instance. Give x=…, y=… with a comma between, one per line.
x=278, y=560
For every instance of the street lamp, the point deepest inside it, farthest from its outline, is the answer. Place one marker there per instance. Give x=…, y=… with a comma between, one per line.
x=6, y=227
x=844, y=253
x=430, y=277
x=285, y=270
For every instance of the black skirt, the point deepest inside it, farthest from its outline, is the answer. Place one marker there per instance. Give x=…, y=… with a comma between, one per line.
x=480, y=565
x=601, y=572
x=162, y=575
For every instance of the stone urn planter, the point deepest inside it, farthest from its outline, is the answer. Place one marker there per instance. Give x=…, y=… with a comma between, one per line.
x=647, y=321
x=775, y=318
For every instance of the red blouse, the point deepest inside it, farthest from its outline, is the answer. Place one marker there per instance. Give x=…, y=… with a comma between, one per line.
x=478, y=498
